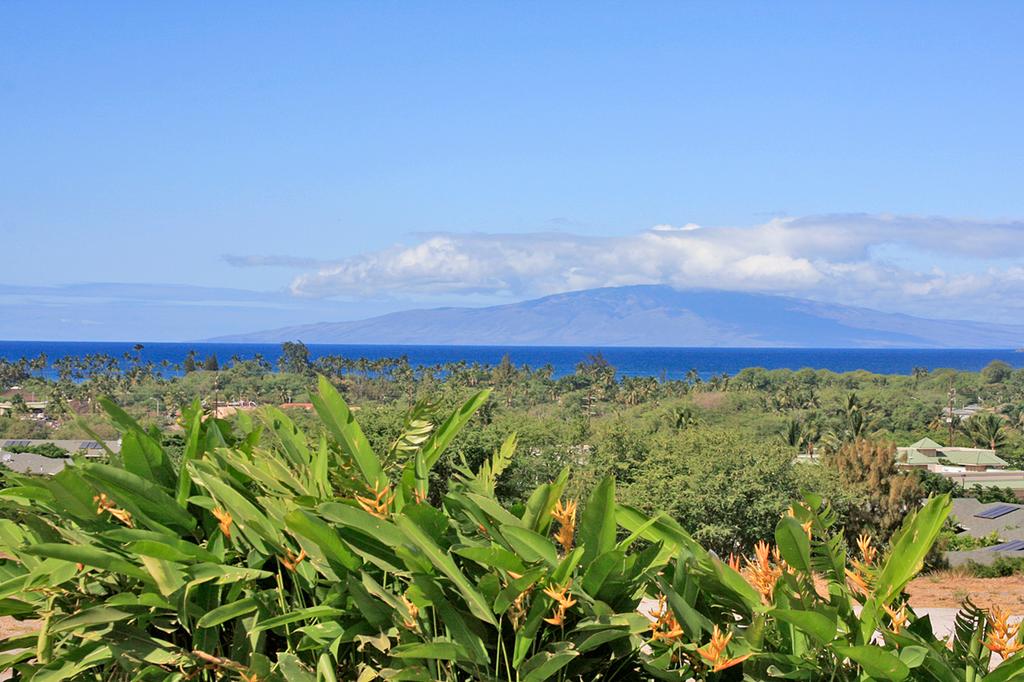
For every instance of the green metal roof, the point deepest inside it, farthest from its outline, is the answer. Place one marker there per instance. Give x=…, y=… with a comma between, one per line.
x=912, y=457
x=972, y=457
x=926, y=444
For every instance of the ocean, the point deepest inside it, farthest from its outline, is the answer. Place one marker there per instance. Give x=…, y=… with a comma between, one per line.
x=672, y=363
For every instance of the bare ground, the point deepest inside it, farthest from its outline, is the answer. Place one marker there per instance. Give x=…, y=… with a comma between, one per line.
x=947, y=589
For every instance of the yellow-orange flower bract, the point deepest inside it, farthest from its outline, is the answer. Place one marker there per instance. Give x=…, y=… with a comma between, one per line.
x=223, y=520
x=410, y=623
x=291, y=560
x=898, y=617
x=105, y=504
x=562, y=602
x=762, y=573
x=714, y=652
x=1001, y=637
x=867, y=551
x=665, y=627
x=380, y=503
x=565, y=514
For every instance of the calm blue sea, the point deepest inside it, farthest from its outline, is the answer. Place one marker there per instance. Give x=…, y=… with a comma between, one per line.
x=670, y=362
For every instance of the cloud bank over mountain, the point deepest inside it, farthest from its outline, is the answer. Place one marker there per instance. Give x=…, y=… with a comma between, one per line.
x=921, y=265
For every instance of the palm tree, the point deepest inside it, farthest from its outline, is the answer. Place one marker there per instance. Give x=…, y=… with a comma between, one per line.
x=684, y=418
x=944, y=422
x=918, y=373
x=794, y=434
x=986, y=430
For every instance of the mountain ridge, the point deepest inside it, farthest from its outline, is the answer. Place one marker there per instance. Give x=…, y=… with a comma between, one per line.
x=653, y=316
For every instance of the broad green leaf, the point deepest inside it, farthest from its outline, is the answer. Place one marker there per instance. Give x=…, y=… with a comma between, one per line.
x=544, y=665
x=597, y=526
x=338, y=419
x=194, y=415
x=148, y=496
x=1010, y=669
x=531, y=546
x=326, y=538
x=818, y=625
x=90, y=556
x=906, y=555
x=444, y=434
x=292, y=668
x=444, y=563
x=99, y=615
x=537, y=515
x=168, y=577
x=492, y=556
x=227, y=612
x=794, y=544
x=875, y=661
x=311, y=613
x=154, y=463
x=71, y=666
x=438, y=650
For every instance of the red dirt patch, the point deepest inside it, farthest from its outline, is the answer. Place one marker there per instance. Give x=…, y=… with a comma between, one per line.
x=9, y=627
x=950, y=588
x=708, y=401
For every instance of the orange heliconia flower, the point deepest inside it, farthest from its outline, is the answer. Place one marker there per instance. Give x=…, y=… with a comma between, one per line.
x=898, y=616
x=734, y=562
x=762, y=573
x=223, y=520
x=665, y=627
x=562, y=602
x=290, y=560
x=867, y=551
x=565, y=514
x=105, y=504
x=714, y=652
x=410, y=623
x=380, y=503
x=858, y=581
x=1001, y=637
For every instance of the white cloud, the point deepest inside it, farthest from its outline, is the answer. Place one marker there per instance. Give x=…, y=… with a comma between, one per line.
x=888, y=262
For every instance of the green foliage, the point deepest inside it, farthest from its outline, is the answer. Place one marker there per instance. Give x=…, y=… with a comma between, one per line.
x=294, y=358
x=44, y=449
x=996, y=372
x=963, y=542
x=1001, y=567
x=267, y=553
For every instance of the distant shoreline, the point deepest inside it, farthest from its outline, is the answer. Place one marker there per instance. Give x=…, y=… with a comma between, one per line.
x=671, y=363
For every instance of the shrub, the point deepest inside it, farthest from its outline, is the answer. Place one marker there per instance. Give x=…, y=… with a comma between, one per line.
x=44, y=449
x=270, y=554
x=1002, y=567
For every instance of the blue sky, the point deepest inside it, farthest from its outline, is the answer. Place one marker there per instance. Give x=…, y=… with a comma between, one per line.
x=306, y=161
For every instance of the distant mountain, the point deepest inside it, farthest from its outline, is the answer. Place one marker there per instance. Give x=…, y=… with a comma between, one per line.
x=653, y=316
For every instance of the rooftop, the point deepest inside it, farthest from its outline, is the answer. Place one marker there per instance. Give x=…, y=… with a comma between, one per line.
x=1009, y=524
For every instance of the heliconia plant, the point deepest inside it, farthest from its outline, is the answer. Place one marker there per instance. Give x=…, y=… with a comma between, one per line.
x=267, y=553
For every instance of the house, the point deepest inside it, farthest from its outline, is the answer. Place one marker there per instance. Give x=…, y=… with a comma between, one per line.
x=965, y=412
x=980, y=520
x=927, y=454
x=34, y=463
x=35, y=408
